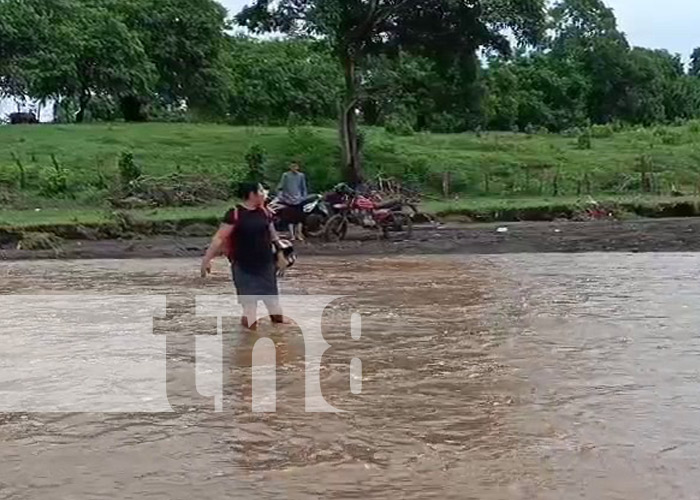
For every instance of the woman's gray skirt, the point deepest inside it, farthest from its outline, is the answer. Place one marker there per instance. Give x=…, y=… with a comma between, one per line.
x=257, y=285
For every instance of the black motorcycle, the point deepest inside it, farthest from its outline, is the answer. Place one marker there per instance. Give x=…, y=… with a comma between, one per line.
x=312, y=213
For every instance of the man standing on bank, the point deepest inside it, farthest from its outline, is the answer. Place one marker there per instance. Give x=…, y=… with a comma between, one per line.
x=293, y=189
x=248, y=235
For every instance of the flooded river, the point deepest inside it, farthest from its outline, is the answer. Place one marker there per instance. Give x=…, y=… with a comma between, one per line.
x=509, y=377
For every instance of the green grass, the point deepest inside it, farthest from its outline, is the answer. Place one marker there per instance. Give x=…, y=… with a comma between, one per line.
x=90, y=216
x=502, y=165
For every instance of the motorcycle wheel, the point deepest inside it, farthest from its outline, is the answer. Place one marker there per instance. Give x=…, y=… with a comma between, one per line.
x=402, y=223
x=336, y=228
x=314, y=225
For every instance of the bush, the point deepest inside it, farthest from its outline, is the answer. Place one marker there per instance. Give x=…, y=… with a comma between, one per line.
x=670, y=137
x=572, y=132
x=129, y=171
x=602, y=131
x=444, y=123
x=694, y=127
x=401, y=121
x=255, y=161
x=618, y=126
x=92, y=196
x=399, y=125
x=584, y=140
x=40, y=241
x=54, y=182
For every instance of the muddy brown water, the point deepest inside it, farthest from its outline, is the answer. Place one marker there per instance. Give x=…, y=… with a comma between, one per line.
x=503, y=377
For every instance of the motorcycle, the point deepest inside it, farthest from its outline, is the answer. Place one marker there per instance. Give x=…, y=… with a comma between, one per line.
x=312, y=213
x=362, y=211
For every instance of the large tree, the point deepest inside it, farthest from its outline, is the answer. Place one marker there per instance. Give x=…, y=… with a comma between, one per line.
x=694, y=69
x=444, y=30
x=185, y=40
x=272, y=79
x=70, y=49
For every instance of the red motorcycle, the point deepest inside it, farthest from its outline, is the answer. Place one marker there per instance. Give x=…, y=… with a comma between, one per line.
x=354, y=208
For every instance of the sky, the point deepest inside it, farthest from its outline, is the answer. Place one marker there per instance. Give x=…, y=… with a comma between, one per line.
x=655, y=24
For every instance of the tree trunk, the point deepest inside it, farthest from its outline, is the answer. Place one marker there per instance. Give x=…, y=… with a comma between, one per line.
x=348, y=124
x=132, y=109
x=84, y=101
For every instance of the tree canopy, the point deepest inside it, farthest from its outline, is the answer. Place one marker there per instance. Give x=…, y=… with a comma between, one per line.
x=408, y=65
x=447, y=31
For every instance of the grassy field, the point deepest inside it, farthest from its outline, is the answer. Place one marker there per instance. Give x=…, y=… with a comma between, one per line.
x=489, y=170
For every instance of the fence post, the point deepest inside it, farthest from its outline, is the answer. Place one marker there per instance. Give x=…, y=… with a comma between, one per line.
x=446, y=183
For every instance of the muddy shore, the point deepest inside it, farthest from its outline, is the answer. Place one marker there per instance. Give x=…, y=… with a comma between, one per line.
x=657, y=235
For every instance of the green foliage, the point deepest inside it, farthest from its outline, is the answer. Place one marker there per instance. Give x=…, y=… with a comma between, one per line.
x=255, y=161
x=129, y=172
x=185, y=42
x=672, y=138
x=54, y=181
x=211, y=157
x=602, y=131
x=272, y=79
x=40, y=241
x=401, y=122
x=585, y=140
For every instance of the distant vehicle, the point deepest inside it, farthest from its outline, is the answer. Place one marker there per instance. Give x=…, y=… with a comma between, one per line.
x=312, y=212
x=23, y=119
x=367, y=213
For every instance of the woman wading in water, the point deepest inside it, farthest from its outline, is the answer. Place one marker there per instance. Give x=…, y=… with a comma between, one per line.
x=251, y=233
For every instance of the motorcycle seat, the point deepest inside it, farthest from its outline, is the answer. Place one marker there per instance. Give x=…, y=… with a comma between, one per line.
x=389, y=204
x=311, y=197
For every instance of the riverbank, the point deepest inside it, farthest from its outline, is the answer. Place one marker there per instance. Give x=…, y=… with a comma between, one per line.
x=98, y=223
x=648, y=235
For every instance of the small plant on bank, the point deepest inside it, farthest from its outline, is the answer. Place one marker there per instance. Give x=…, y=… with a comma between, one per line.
x=602, y=131
x=54, y=184
x=255, y=161
x=584, y=140
x=129, y=171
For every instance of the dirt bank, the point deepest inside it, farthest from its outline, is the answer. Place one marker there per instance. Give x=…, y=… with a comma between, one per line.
x=666, y=235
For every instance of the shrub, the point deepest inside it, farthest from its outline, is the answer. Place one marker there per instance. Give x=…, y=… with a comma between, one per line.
x=255, y=161
x=444, y=123
x=40, y=241
x=571, y=132
x=399, y=125
x=401, y=121
x=672, y=138
x=602, y=131
x=129, y=171
x=584, y=140
x=694, y=127
x=618, y=126
x=54, y=182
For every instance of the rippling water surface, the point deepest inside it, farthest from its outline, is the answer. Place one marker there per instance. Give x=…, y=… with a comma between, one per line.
x=537, y=376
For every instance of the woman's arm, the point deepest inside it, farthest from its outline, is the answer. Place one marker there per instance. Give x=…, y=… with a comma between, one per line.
x=218, y=243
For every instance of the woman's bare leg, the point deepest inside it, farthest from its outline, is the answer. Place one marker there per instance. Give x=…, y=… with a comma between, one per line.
x=274, y=309
x=250, y=316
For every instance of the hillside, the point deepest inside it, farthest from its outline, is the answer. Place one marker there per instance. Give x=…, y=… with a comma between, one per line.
x=660, y=160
